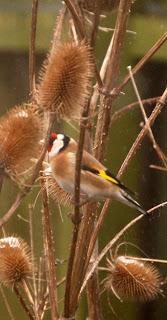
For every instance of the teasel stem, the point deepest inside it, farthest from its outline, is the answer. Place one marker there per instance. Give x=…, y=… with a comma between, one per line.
x=49, y=252
x=82, y=34
x=7, y=305
x=27, y=291
x=32, y=48
x=23, y=303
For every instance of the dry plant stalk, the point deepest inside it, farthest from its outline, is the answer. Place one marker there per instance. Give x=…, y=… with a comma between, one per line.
x=102, y=5
x=65, y=80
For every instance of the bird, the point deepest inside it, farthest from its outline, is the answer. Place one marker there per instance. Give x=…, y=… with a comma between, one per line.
x=96, y=181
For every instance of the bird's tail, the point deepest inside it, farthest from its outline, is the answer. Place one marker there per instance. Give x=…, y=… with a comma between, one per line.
x=131, y=202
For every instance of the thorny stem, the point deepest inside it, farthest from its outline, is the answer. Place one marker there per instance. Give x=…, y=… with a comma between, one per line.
x=150, y=133
x=49, y=250
x=118, y=114
x=142, y=62
x=159, y=106
x=23, y=303
x=58, y=31
x=32, y=48
x=36, y=302
x=7, y=305
x=110, y=79
x=77, y=217
x=81, y=33
x=114, y=240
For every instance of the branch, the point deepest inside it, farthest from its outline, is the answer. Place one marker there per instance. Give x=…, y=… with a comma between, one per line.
x=32, y=48
x=159, y=106
x=110, y=78
x=49, y=250
x=142, y=62
x=118, y=114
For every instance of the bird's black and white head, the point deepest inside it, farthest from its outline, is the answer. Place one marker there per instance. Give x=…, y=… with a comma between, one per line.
x=57, y=143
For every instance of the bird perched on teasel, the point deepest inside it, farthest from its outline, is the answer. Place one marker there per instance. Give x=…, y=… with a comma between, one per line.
x=97, y=182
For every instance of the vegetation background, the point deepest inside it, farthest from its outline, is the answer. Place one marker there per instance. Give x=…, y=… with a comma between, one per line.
x=149, y=21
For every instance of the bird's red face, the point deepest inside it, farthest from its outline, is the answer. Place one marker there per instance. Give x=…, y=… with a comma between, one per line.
x=57, y=143
x=53, y=137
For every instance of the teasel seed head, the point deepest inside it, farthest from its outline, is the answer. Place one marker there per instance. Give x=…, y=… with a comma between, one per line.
x=56, y=192
x=20, y=134
x=132, y=279
x=101, y=5
x=15, y=260
x=65, y=80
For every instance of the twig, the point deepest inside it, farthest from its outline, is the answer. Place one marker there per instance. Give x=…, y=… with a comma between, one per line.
x=78, y=24
x=159, y=106
x=20, y=196
x=77, y=217
x=150, y=133
x=143, y=61
x=32, y=48
x=50, y=260
x=118, y=114
x=36, y=302
x=152, y=166
x=96, y=21
x=114, y=240
x=7, y=305
x=23, y=304
x=58, y=30
x=81, y=33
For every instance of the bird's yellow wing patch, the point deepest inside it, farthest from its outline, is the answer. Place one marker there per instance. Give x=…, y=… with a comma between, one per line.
x=104, y=175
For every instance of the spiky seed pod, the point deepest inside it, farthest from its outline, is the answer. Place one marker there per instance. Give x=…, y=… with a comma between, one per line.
x=65, y=80
x=56, y=192
x=15, y=260
x=102, y=5
x=132, y=279
x=20, y=133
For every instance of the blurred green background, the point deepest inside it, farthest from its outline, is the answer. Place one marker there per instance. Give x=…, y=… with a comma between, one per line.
x=148, y=21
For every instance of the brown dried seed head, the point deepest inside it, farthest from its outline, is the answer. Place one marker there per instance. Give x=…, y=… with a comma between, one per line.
x=56, y=192
x=15, y=260
x=102, y=5
x=133, y=279
x=65, y=80
x=20, y=133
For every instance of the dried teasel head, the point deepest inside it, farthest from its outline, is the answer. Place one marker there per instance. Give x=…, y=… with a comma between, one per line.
x=65, y=80
x=56, y=192
x=20, y=134
x=15, y=260
x=132, y=279
x=101, y=5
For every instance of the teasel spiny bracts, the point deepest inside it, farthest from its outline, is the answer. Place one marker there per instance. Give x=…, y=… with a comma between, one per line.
x=66, y=80
x=56, y=192
x=15, y=260
x=20, y=134
x=132, y=279
x=100, y=5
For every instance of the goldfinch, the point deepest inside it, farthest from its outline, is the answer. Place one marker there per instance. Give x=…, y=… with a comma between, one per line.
x=97, y=182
